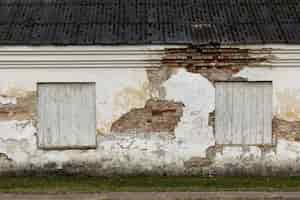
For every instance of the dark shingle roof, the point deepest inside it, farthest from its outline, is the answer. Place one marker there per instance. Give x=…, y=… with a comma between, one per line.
x=88, y=22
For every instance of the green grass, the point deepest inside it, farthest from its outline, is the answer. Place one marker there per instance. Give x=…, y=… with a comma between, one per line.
x=136, y=184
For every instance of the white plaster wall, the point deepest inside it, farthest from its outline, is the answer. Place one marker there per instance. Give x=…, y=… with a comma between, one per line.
x=286, y=88
x=197, y=94
x=120, y=90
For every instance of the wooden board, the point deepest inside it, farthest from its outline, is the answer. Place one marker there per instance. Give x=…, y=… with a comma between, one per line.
x=66, y=115
x=243, y=113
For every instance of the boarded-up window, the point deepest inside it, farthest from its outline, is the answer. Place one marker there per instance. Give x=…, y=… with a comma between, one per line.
x=243, y=113
x=66, y=115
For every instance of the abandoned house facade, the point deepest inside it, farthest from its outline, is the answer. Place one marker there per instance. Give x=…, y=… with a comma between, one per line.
x=168, y=87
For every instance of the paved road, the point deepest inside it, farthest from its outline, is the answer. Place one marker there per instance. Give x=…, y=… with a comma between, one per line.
x=157, y=196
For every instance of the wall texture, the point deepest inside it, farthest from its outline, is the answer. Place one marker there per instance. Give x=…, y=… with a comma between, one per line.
x=155, y=116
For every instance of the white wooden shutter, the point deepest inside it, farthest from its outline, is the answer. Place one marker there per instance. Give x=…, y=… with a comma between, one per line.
x=66, y=115
x=243, y=113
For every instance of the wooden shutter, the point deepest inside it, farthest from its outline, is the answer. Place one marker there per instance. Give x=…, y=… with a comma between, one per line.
x=243, y=113
x=66, y=115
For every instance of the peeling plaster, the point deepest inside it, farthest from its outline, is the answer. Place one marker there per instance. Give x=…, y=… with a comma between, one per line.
x=191, y=150
x=197, y=94
x=289, y=104
x=17, y=130
x=5, y=100
x=133, y=152
x=156, y=78
x=184, y=153
x=117, y=93
x=156, y=116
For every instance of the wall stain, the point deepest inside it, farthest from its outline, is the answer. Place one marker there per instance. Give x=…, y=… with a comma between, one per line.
x=196, y=162
x=289, y=105
x=132, y=97
x=156, y=79
x=24, y=109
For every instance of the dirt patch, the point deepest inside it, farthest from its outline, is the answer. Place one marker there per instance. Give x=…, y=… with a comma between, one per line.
x=197, y=162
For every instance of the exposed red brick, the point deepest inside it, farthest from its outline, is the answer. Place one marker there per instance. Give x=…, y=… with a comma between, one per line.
x=289, y=130
x=216, y=64
x=156, y=116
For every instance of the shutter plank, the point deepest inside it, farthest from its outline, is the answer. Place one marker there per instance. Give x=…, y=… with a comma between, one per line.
x=253, y=114
x=220, y=113
x=247, y=129
x=223, y=113
x=268, y=114
x=259, y=112
x=238, y=110
x=229, y=113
